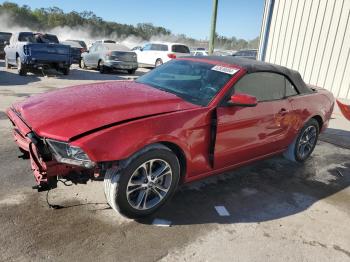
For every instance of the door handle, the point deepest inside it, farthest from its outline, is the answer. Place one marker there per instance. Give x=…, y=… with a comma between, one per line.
x=283, y=112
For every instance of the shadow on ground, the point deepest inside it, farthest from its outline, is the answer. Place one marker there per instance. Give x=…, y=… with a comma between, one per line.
x=11, y=77
x=267, y=190
x=336, y=137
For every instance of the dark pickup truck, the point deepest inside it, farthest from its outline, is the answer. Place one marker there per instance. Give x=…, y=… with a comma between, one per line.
x=4, y=38
x=28, y=51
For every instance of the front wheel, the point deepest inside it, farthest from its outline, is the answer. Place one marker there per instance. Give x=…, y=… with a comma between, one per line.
x=147, y=181
x=304, y=144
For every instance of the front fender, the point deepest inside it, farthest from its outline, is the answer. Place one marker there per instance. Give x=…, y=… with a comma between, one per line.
x=189, y=130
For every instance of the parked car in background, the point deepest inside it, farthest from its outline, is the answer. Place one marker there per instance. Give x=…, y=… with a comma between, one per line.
x=75, y=50
x=199, y=53
x=105, y=41
x=247, y=53
x=109, y=56
x=28, y=51
x=4, y=39
x=155, y=54
x=188, y=119
x=80, y=42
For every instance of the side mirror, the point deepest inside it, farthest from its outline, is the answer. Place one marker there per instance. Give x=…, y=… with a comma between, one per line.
x=240, y=99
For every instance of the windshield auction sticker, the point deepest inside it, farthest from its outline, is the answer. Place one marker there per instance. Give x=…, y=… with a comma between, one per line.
x=224, y=69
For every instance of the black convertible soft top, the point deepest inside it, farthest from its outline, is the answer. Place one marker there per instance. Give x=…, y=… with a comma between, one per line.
x=258, y=66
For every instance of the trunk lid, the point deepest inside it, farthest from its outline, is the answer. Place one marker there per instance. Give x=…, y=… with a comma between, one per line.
x=55, y=52
x=68, y=112
x=124, y=56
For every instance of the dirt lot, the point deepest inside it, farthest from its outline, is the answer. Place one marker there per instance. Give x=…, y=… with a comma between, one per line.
x=279, y=211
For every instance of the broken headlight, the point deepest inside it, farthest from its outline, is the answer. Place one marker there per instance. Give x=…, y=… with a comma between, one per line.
x=65, y=153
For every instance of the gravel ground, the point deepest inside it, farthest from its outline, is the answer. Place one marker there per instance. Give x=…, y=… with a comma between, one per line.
x=278, y=211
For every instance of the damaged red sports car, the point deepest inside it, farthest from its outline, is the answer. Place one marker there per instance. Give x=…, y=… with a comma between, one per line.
x=185, y=120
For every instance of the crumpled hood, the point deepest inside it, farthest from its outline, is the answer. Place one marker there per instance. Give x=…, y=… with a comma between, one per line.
x=68, y=112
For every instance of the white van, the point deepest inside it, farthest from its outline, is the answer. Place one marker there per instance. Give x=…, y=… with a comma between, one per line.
x=154, y=54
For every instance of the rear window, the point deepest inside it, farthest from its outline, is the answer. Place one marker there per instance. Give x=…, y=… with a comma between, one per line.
x=50, y=38
x=116, y=47
x=180, y=49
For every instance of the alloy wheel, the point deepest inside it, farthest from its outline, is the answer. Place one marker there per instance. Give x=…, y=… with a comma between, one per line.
x=307, y=142
x=149, y=184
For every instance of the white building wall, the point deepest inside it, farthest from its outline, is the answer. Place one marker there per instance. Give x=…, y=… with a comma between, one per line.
x=312, y=37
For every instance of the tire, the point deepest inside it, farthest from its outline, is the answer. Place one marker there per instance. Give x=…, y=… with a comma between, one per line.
x=118, y=182
x=131, y=71
x=101, y=67
x=304, y=144
x=7, y=65
x=158, y=62
x=82, y=64
x=21, y=67
x=65, y=71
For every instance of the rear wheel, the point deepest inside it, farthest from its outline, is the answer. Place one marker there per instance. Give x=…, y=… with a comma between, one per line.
x=158, y=62
x=144, y=184
x=21, y=67
x=7, y=65
x=101, y=67
x=82, y=64
x=304, y=144
x=65, y=71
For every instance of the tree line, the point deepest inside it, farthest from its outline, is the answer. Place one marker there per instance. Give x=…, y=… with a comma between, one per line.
x=44, y=19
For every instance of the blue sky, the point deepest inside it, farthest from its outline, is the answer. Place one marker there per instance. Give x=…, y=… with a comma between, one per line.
x=191, y=17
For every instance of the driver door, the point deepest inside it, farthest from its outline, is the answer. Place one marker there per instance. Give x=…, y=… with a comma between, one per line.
x=247, y=133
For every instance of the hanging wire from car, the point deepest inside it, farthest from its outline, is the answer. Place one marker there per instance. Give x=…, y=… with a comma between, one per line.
x=54, y=206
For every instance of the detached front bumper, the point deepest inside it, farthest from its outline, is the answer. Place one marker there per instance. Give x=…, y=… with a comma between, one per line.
x=121, y=65
x=44, y=166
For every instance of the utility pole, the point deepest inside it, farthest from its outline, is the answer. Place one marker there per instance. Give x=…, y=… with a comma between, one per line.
x=213, y=26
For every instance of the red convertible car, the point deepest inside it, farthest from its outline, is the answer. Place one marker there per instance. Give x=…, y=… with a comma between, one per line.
x=185, y=120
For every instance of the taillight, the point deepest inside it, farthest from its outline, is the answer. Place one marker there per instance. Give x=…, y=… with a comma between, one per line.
x=26, y=50
x=172, y=56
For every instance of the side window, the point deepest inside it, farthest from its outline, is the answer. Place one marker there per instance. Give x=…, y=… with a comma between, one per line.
x=159, y=47
x=290, y=89
x=147, y=47
x=93, y=48
x=263, y=85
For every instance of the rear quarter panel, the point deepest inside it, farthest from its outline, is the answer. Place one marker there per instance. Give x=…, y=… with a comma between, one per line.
x=189, y=130
x=320, y=103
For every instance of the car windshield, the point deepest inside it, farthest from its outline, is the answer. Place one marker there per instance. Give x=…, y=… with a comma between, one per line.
x=195, y=82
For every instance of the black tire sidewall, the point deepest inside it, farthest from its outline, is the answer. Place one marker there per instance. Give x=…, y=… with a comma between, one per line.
x=160, y=62
x=311, y=122
x=20, y=67
x=122, y=203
